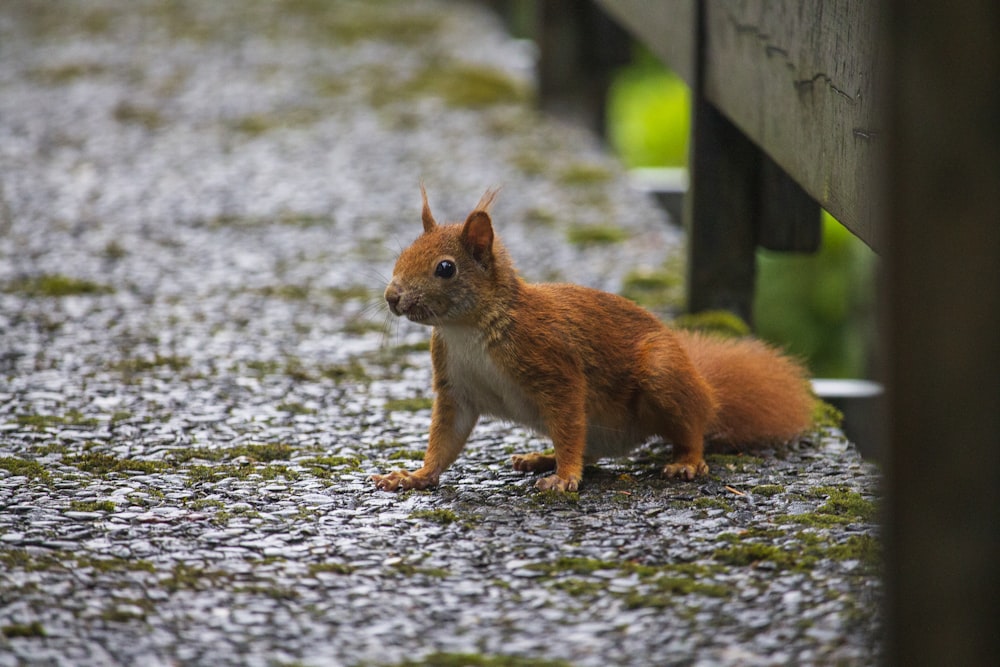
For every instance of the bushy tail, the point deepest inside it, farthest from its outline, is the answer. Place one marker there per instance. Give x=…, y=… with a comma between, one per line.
x=763, y=396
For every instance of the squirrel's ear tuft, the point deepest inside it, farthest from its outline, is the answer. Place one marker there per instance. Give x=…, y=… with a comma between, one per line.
x=486, y=201
x=425, y=214
x=477, y=236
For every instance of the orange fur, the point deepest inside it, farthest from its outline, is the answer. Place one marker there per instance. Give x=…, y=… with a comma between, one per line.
x=593, y=371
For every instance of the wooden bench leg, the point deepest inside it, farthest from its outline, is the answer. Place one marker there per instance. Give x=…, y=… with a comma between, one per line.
x=738, y=198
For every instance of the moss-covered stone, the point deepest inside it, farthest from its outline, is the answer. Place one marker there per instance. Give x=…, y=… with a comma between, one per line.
x=15, y=630
x=91, y=506
x=653, y=288
x=409, y=404
x=479, y=660
x=718, y=322
x=585, y=174
x=472, y=86
x=586, y=235
x=22, y=468
x=441, y=516
x=99, y=463
x=56, y=285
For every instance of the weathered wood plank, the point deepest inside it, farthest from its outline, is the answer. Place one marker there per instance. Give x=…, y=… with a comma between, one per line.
x=719, y=215
x=799, y=79
x=943, y=313
x=667, y=28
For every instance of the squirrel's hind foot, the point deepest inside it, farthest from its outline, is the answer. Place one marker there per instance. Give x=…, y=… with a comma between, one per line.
x=557, y=483
x=686, y=470
x=534, y=462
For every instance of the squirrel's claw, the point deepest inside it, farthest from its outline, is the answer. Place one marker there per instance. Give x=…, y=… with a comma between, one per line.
x=686, y=471
x=557, y=483
x=402, y=480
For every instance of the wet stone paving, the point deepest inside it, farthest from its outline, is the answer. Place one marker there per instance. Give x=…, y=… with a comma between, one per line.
x=199, y=206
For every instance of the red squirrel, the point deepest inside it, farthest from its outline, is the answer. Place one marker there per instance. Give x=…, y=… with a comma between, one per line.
x=593, y=371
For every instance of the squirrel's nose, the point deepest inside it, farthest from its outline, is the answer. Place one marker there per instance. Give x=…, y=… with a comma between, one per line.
x=392, y=298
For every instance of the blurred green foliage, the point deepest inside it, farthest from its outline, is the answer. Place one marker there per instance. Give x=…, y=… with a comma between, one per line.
x=649, y=115
x=819, y=307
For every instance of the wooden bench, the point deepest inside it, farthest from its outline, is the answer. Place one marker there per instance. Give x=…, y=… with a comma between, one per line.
x=790, y=113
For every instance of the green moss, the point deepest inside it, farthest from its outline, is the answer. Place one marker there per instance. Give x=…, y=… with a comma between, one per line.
x=733, y=462
x=277, y=451
x=472, y=86
x=56, y=285
x=585, y=174
x=321, y=466
x=199, y=504
x=767, y=490
x=552, y=497
x=803, y=554
x=864, y=548
x=132, y=114
x=114, y=251
x=660, y=584
x=189, y=577
x=826, y=416
x=586, y=235
x=68, y=418
x=720, y=322
x=352, y=371
x=708, y=502
x=22, y=468
x=15, y=630
x=666, y=589
x=330, y=568
x=532, y=163
x=350, y=293
x=412, y=570
x=295, y=408
x=114, y=565
x=441, y=516
x=653, y=288
x=479, y=660
x=358, y=326
x=419, y=346
x=21, y=559
x=64, y=74
x=409, y=404
x=407, y=455
x=753, y=553
x=91, y=506
x=346, y=23
x=841, y=501
x=99, y=463
x=257, y=124
x=285, y=292
x=574, y=564
x=119, y=615
x=578, y=587
x=136, y=366
x=202, y=473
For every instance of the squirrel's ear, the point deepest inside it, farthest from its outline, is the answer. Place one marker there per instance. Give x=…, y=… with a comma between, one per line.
x=425, y=214
x=477, y=236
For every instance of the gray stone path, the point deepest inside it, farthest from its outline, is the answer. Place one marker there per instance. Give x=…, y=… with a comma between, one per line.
x=199, y=204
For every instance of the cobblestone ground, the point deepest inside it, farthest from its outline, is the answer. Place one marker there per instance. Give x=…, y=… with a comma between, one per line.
x=199, y=204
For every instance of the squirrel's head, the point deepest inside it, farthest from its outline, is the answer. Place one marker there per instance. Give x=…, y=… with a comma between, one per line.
x=444, y=276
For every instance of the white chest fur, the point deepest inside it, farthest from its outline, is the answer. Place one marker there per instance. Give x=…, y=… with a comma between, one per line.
x=480, y=384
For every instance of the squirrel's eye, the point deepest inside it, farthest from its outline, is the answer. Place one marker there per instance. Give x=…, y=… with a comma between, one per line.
x=445, y=269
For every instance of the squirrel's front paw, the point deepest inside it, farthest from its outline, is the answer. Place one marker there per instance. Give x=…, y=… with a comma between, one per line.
x=403, y=480
x=686, y=471
x=557, y=483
